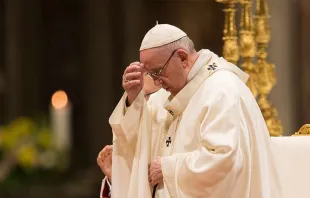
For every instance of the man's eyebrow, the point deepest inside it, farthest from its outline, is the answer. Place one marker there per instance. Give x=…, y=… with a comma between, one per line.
x=158, y=67
x=150, y=70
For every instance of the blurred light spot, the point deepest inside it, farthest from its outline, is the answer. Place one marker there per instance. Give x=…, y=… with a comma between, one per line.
x=59, y=99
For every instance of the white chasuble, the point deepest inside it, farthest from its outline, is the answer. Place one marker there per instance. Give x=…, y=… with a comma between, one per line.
x=211, y=136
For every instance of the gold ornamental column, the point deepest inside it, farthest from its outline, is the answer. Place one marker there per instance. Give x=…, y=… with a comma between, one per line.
x=230, y=48
x=266, y=70
x=248, y=46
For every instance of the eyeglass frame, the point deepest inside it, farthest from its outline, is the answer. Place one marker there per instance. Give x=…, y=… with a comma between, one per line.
x=156, y=74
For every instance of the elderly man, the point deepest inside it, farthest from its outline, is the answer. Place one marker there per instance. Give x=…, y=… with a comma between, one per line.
x=104, y=159
x=203, y=135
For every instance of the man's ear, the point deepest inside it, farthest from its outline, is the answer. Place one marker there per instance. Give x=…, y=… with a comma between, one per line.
x=184, y=57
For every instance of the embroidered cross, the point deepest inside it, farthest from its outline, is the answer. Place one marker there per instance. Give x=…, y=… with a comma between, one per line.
x=168, y=142
x=212, y=67
x=171, y=112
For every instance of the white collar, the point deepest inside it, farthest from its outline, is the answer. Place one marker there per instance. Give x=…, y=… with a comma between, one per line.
x=204, y=57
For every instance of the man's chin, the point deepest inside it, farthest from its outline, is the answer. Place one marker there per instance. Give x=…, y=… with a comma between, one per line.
x=172, y=92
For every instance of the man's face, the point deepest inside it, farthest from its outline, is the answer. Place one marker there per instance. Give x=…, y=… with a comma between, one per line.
x=172, y=66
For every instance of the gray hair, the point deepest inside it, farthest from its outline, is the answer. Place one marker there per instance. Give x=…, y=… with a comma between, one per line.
x=185, y=43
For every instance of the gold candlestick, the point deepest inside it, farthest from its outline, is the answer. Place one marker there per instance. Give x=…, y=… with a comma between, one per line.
x=247, y=45
x=230, y=48
x=266, y=70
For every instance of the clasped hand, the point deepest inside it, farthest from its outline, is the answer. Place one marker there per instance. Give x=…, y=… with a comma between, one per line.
x=155, y=172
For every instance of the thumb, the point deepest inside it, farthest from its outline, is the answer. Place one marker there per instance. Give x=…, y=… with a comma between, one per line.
x=142, y=68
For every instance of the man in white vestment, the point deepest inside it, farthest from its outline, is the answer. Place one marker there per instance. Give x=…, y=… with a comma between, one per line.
x=202, y=135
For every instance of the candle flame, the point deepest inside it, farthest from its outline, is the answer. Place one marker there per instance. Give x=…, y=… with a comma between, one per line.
x=59, y=99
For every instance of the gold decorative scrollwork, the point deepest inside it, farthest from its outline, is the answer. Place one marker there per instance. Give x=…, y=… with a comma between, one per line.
x=253, y=42
x=230, y=47
x=266, y=74
x=304, y=130
x=248, y=45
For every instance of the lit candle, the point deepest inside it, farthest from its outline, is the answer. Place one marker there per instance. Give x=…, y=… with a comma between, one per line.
x=61, y=120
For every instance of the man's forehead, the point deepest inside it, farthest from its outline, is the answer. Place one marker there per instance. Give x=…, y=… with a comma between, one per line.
x=146, y=56
x=151, y=59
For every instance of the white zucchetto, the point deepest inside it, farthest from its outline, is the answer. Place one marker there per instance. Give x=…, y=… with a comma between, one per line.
x=160, y=35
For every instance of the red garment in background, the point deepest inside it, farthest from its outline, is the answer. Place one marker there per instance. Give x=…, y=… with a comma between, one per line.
x=105, y=189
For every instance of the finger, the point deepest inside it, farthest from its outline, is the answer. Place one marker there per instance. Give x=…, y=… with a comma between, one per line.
x=142, y=68
x=131, y=84
x=102, y=157
x=150, y=179
x=135, y=68
x=110, y=148
x=132, y=76
x=135, y=63
x=107, y=151
x=132, y=68
x=102, y=151
x=153, y=175
x=102, y=154
x=153, y=183
x=109, y=155
x=99, y=162
x=151, y=172
x=106, y=154
x=156, y=178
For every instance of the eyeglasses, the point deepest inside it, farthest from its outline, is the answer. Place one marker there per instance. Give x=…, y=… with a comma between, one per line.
x=156, y=74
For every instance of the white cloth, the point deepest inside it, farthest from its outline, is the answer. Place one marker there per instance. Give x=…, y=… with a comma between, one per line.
x=205, y=56
x=293, y=162
x=219, y=143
